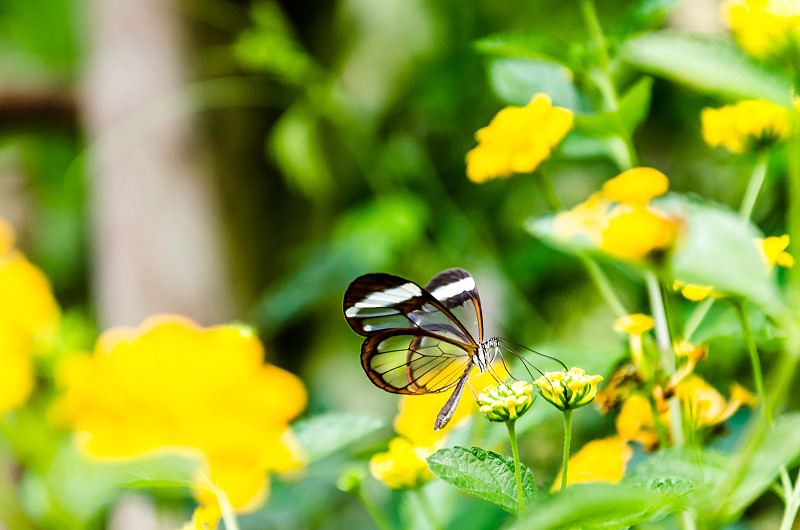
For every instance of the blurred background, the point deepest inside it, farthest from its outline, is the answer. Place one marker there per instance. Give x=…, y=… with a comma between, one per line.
x=245, y=160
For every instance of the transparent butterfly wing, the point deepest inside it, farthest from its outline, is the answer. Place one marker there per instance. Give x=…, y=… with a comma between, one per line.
x=457, y=291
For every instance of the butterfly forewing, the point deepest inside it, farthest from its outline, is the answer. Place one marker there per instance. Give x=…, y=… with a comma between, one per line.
x=376, y=302
x=414, y=361
x=456, y=290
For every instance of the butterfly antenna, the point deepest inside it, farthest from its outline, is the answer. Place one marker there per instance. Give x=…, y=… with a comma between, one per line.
x=536, y=352
x=525, y=362
x=496, y=375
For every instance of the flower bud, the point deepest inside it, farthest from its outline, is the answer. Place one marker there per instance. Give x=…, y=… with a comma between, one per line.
x=506, y=402
x=568, y=389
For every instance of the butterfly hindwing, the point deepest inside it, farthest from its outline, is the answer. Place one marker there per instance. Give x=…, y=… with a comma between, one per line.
x=414, y=361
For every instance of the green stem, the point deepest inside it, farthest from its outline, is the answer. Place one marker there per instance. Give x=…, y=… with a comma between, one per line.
x=662, y=434
x=754, y=187
x=548, y=190
x=698, y=314
x=667, y=355
x=752, y=349
x=604, y=286
x=228, y=515
x=512, y=436
x=372, y=510
x=792, y=505
x=567, y=441
x=425, y=507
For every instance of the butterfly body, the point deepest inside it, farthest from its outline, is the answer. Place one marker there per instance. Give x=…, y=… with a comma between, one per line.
x=420, y=340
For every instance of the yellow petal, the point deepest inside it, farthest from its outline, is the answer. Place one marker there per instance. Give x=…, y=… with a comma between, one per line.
x=635, y=186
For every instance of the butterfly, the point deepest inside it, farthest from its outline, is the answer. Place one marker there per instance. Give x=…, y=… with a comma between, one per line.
x=420, y=340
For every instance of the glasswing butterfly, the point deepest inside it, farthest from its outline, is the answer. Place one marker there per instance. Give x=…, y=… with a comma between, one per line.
x=420, y=341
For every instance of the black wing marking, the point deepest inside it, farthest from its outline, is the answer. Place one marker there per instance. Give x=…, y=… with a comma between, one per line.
x=377, y=302
x=414, y=361
x=457, y=291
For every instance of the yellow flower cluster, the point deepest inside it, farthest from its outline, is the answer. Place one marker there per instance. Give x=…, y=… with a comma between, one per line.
x=693, y=292
x=29, y=317
x=764, y=28
x=635, y=326
x=619, y=219
x=506, y=402
x=746, y=126
x=518, y=139
x=568, y=389
x=173, y=385
x=403, y=466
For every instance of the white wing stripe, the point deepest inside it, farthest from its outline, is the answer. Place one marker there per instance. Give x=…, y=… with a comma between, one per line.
x=443, y=292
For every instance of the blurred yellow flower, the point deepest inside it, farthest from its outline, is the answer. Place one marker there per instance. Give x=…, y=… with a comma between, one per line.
x=705, y=406
x=171, y=384
x=598, y=461
x=635, y=186
x=746, y=126
x=416, y=417
x=764, y=27
x=518, y=139
x=693, y=292
x=403, y=466
x=634, y=324
x=635, y=421
x=568, y=389
x=29, y=318
x=619, y=219
x=773, y=251
x=506, y=402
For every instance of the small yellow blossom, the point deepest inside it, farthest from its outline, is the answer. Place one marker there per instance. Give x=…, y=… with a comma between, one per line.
x=506, y=402
x=598, y=461
x=693, y=292
x=705, y=406
x=403, y=466
x=746, y=126
x=764, y=28
x=634, y=324
x=634, y=232
x=635, y=186
x=773, y=251
x=568, y=389
x=587, y=220
x=172, y=385
x=635, y=421
x=518, y=139
x=691, y=352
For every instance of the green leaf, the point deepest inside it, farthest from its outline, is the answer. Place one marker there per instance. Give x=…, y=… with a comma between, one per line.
x=599, y=506
x=325, y=434
x=523, y=44
x=484, y=474
x=515, y=80
x=706, y=64
x=168, y=470
x=780, y=447
x=633, y=109
x=718, y=248
x=647, y=14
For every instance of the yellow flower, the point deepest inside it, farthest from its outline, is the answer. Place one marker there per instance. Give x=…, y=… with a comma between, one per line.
x=403, y=466
x=635, y=421
x=764, y=27
x=635, y=186
x=746, y=126
x=619, y=219
x=598, y=461
x=518, y=139
x=705, y=406
x=693, y=292
x=568, y=389
x=29, y=317
x=506, y=403
x=772, y=250
x=634, y=324
x=171, y=384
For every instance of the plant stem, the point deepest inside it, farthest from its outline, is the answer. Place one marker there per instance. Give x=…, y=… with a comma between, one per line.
x=372, y=510
x=425, y=507
x=662, y=434
x=752, y=349
x=604, y=286
x=698, y=314
x=664, y=344
x=548, y=190
x=754, y=187
x=567, y=441
x=228, y=515
x=512, y=436
x=792, y=505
